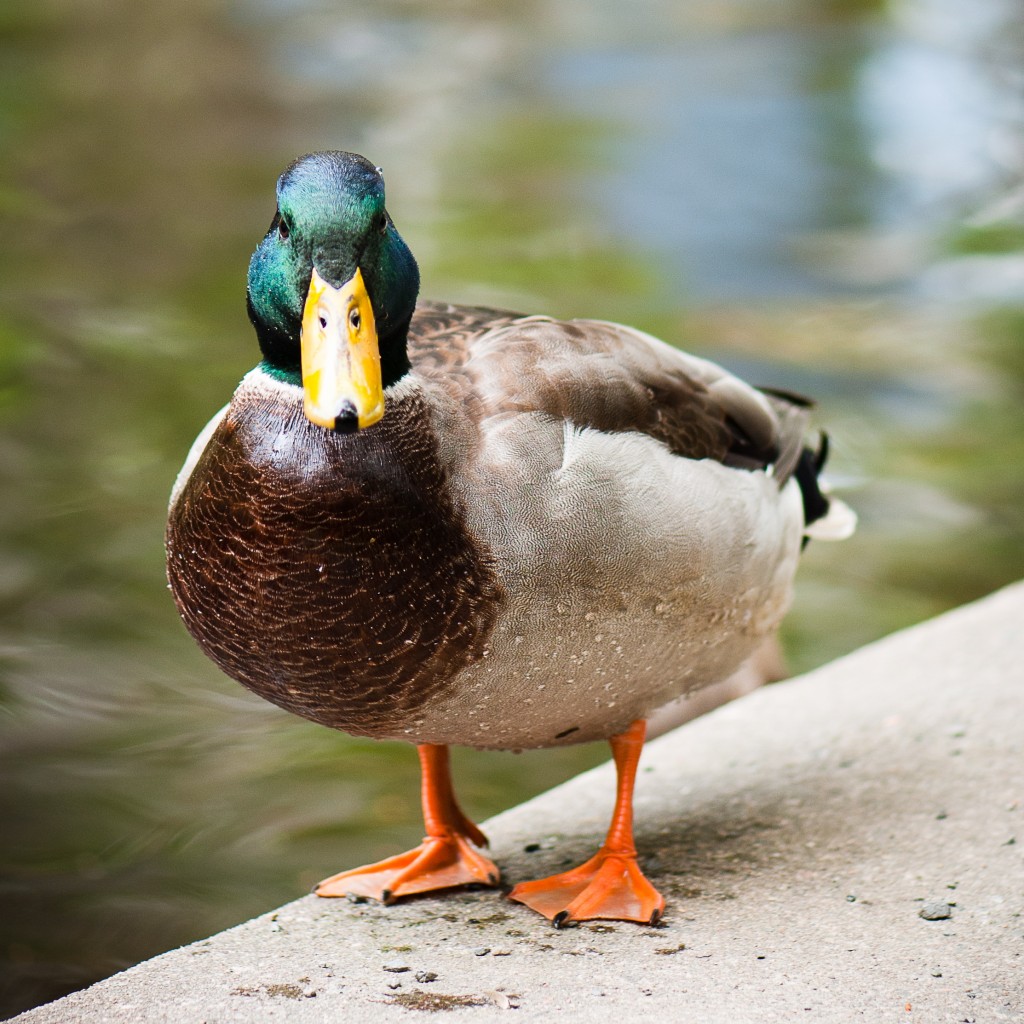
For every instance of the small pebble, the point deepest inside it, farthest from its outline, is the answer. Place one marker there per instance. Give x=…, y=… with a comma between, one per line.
x=935, y=911
x=501, y=952
x=936, y=973
x=425, y=976
x=394, y=984
x=851, y=898
x=309, y=993
x=502, y=1000
x=396, y=966
x=481, y=951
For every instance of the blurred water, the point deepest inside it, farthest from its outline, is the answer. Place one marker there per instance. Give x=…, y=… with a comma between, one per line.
x=821, y=195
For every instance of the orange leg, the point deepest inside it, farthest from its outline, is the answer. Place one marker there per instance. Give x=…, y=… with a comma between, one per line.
x=444, y=859
x=610, y=886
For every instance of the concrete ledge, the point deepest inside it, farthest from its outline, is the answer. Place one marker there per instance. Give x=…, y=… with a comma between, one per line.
x=797, y=834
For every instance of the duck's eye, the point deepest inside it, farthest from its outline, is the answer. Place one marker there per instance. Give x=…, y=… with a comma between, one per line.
x=354, y=319
x=283, y=230
x=382, y=223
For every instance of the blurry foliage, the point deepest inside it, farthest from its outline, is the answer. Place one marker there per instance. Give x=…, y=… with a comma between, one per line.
x=515, y=238
x=987, y=239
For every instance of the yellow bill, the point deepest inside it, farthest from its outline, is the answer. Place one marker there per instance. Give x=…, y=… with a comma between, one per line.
x=340, y=356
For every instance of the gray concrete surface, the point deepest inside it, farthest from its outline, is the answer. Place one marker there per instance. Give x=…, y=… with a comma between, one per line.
x=797, y=835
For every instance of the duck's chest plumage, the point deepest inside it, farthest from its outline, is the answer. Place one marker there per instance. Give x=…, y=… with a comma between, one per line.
x=323, y=573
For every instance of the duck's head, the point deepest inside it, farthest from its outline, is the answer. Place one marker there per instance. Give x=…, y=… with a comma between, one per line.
x=332, y=289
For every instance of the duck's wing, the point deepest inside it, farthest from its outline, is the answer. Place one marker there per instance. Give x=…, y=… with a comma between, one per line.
x=592, y=373
x=613, y=378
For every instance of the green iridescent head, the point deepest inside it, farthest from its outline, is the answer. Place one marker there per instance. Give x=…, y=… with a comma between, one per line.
x=330, y=224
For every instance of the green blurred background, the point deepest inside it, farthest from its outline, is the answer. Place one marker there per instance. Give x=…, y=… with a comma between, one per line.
x=821, y=194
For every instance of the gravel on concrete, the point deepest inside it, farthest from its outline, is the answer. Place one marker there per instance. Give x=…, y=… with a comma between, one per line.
x=809, y=838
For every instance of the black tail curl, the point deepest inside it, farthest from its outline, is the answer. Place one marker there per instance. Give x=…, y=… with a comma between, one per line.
x=807, y=471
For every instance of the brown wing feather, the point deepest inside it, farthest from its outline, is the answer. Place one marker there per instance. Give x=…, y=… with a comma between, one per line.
x=793, y=412
x=607, y=377
x=440, y=335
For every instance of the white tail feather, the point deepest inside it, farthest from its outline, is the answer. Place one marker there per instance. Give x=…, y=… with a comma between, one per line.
x=839, y=522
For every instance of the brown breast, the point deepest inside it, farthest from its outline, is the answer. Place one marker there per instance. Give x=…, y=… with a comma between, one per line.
x=331, y=574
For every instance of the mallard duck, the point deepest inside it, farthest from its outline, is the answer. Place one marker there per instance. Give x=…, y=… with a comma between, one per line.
x=454, y=525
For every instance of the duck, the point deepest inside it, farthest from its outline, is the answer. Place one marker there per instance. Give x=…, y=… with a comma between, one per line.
x=452, y=525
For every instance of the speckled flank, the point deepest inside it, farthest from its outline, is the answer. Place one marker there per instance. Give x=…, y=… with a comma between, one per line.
x=601, y=627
